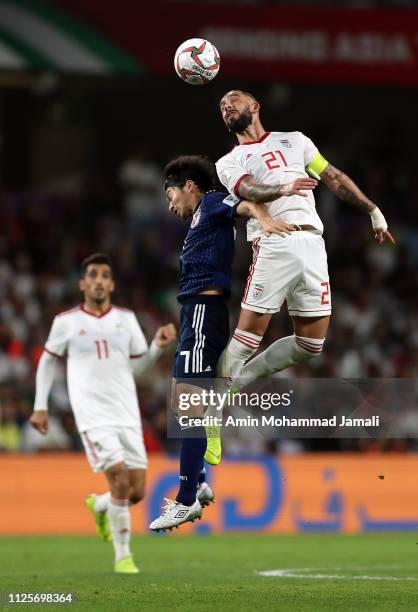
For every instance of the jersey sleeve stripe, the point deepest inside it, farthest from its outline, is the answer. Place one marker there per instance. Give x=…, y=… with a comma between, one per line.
x=238, y=183
x=53, y=354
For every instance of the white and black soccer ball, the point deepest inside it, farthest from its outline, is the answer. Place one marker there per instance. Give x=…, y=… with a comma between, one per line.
x=197, y=61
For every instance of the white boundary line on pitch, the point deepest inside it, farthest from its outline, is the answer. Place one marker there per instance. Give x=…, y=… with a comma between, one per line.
x=298, y=573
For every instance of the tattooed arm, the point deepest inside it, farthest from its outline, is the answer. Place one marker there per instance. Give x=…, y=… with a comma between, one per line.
x=346, y=189
x=260, y=193
x=342, y=185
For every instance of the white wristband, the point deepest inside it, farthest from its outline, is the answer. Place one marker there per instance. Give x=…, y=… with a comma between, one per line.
x=378, y=220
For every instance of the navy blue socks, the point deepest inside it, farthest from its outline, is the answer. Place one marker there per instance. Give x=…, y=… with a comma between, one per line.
x=191, y=465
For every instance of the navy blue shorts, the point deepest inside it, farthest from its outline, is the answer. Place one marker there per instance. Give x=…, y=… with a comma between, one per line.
x=204, y=333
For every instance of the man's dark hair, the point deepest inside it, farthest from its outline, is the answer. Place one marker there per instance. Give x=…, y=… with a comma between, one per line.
x=96, y=258
x=195, y=168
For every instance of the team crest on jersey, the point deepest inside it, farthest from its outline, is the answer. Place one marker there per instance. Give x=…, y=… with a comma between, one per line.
x=258, y=291
x=196, y=218
x=82, y=332
x=286, y=144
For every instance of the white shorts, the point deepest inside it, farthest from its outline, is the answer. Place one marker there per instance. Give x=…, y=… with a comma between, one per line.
x=106, y=446
x=294, y=269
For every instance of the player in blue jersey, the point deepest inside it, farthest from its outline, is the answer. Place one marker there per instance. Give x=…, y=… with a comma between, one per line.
x=205, y=284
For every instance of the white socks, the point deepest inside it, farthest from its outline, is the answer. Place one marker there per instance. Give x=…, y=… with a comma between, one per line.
x=120, y=526
x=240, y=348
x=280, y=355
x=101, y=502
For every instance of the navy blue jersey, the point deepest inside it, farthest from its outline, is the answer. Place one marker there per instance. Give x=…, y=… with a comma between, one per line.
x=208, y=250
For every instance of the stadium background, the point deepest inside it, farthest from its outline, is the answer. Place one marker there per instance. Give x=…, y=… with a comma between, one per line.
x=85, y=132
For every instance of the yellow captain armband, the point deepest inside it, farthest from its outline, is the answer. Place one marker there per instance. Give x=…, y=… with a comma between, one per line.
x=317, y=166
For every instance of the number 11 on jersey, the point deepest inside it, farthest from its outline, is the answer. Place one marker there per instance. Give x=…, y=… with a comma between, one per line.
x=102, y=349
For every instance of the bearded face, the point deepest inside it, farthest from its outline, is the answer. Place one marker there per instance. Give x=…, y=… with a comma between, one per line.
x=237, y=122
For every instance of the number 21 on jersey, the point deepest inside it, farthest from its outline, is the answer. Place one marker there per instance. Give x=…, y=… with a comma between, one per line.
x=271, y=159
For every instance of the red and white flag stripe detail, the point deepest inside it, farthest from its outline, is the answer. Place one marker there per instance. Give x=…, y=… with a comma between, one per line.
x=91, y=448
x=247, y=340
x=256, y=249
x=312, y=347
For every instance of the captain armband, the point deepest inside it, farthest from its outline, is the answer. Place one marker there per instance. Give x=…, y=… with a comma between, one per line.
x=317, y=166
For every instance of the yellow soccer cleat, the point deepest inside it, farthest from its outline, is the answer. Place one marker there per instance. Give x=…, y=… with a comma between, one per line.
x=214, y=447
x=126, y=566
x=213, y=433
x=100, y=518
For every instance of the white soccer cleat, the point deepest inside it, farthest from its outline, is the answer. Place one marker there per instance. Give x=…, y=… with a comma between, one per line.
x=175, y=514
x=205, y=495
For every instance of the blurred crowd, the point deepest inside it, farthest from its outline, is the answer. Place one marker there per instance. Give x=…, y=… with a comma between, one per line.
x=45, y=235
x=332, y=3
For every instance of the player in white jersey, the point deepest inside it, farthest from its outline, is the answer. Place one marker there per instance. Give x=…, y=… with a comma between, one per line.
x=105, y=348
x=293, y=266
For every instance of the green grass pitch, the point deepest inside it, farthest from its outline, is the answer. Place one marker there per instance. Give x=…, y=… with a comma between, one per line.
x=219, y=573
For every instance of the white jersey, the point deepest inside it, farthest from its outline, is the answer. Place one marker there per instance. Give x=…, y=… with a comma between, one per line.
x=99, y=348
x=276, y=158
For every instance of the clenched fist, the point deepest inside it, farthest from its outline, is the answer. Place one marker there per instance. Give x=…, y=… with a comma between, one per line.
x=165, y=335
x=39, y=420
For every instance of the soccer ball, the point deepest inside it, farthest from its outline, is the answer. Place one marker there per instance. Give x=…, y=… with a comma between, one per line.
x=197, y=61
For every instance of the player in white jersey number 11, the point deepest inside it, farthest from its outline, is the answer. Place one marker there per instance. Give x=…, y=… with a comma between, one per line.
x=291, y=267
x=105, y=348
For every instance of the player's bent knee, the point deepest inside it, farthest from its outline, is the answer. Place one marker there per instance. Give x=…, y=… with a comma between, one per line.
x=137, y=496
x=118, y=476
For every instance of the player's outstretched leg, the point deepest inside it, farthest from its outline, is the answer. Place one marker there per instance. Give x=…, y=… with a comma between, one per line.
x=98, y=505
x=305, y=344
x=187, y=506
x=280, y=355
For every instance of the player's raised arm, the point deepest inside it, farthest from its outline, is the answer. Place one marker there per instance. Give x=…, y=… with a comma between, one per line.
x=145, y=360
x=235, y=177
x=260, y=212
x=259, y=193
x=346, y=189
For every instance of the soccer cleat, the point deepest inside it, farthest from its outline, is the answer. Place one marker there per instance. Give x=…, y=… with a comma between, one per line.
x=213, y=452
x=175, y=514
x=205, y=495
x=126, y=566
x=100, y=518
